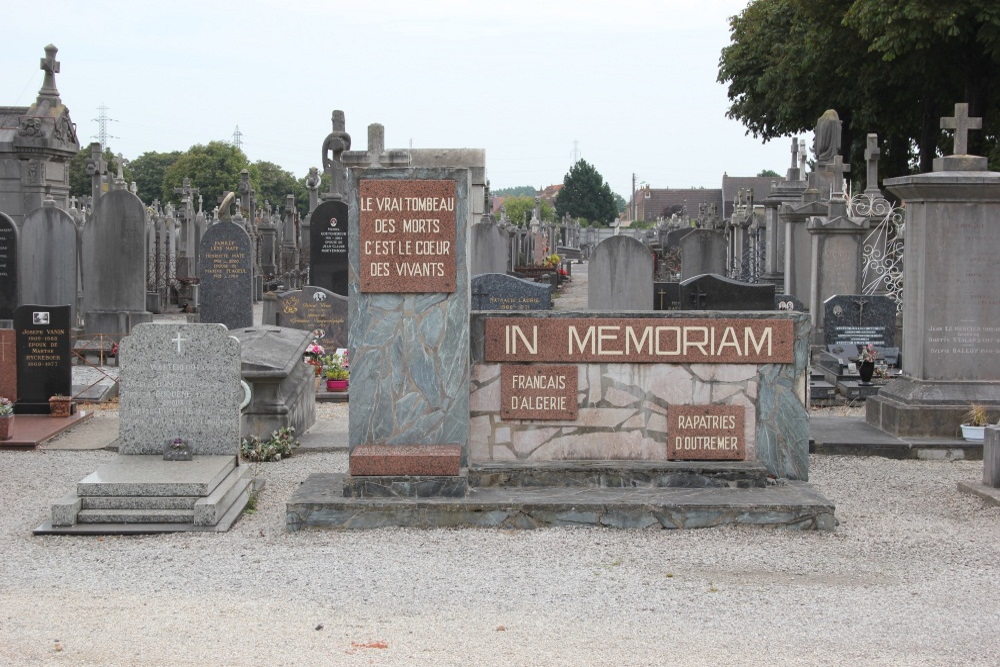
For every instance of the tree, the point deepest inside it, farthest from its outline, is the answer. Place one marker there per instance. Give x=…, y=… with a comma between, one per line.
x=519, y=209
x=517, y=191
x=620, y=202
x=769, y=172
x=148, y=171
x=275, y=184
x=585, y=195
x=887, y=67
x=213, y=168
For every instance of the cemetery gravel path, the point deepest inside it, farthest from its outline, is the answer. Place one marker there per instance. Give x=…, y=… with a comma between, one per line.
x=910, y=577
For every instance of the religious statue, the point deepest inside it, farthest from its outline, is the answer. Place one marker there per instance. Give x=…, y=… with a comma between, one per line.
x=335, y=144
x=826, y=142
x=313, y=179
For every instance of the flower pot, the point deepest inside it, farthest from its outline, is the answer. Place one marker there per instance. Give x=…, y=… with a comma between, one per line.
x=60, y=407
x=973, y=433
x=336, y=385
x=7, y=427
x=866, y=369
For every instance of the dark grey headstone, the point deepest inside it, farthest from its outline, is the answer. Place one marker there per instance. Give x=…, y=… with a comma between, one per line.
x=788, y=302
x=314, y=308
x=225, y=261
x=43, y=356
x=498, y=291
x=666, y=296
x=9, y=295
x=328, y=247
x=714, y=292
x=48, y=259
x=859, y=319
x=114, y=264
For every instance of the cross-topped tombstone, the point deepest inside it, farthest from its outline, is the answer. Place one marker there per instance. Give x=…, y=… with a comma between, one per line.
x=838, y=168
x=376, y=156
x=50, y=66
x=97, y=167
x=334, y=146
x=872, y=154
x=961, y=123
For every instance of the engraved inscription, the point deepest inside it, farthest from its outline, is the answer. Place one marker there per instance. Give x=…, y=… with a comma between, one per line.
x=538, y=392
x=706, y=432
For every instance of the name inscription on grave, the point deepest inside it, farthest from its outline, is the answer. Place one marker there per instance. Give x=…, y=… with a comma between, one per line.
x=42, y=347
x=538, y=392
x=224, y=260
x=640, y=340
x=407, y=235
x=706, y=432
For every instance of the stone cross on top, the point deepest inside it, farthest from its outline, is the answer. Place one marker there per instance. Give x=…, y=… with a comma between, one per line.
x=50, y=66
x=376, y=156
x=838, y=168
x=961, y=123
x=872, y=154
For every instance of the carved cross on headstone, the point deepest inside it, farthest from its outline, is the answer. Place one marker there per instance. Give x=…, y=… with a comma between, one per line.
x=872, y=154
x=839, y=169
x=50, y=66
x=478, y=303
x=662, y=293
x=961, y=123
x=178, y=339
x=698, y=298
x=861, y=310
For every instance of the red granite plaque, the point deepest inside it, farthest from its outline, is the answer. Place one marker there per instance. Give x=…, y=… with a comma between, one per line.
x=8, y=365
x=407, y=235
x=392, y=460
x=706, y=433
x=538, y=392
x=640, y=340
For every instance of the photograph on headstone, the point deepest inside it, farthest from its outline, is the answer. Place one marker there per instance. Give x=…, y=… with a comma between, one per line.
x=328, y=246
x=315, y=309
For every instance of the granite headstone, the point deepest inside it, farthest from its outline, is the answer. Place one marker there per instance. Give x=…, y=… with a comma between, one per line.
x=43, y=356
x=315, y=309
x=498, y=291
x=788, y=302
x=620, y=276
x=666, y=296
x=9, y=295
x=714, y=292
x=47, y=264
x=225, y=262
x=180, y=381
x=860, y=319
x=328, y=246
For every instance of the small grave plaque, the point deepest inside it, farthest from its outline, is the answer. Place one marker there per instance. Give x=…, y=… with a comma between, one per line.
x=225, y=258
x=859, y=319
x=43, y=356
x=538, y=392
x=328, y=247
x=8, y=268
x=315, y=309
x=407, y=236
x=497, y=291
x=706, y=432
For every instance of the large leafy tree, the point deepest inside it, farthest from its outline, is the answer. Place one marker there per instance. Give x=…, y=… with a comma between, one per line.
x=148, y=171
x=585, y=195
x=887, y=66
x=213, y=168
x=276, y=184
x=519, y=209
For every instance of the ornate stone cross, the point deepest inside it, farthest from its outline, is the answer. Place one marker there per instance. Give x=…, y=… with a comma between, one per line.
x=50, y=66
x=961, y=123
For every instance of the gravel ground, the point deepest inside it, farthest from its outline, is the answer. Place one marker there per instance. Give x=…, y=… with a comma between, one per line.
x=911, y=576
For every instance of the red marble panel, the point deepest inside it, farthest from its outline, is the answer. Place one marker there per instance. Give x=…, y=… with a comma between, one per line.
x=384, y=460
x=706, y=433
x=538, y=392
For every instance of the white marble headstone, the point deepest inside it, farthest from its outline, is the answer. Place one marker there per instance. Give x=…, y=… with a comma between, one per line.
x=180, y=381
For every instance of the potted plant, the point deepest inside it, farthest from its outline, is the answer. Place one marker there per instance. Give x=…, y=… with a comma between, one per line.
x=336, y=375
x=60, y=405
x=313, y=355
x=6, y=419
x=866, y=363
x=974, y=426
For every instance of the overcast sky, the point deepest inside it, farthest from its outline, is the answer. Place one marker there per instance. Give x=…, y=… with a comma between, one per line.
x=631, y=84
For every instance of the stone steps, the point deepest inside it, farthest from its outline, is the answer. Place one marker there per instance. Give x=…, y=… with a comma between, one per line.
x=135, y=516
x=138, y=502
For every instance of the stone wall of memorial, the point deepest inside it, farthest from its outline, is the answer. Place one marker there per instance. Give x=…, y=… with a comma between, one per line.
x=655, y=387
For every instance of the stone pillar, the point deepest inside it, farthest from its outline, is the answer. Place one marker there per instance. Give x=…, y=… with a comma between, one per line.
x=951, y=307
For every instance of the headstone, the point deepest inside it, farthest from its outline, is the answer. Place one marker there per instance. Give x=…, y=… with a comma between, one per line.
x=714, y=292
x=620, y=276
x=667, y=296
x=48, y=259
x=860, y=319
x=43, y=356
x=328, y=246
x=114, y=264
x=9, y=295
x=225, y=260
x=703, y=251
x=498, y=291
x=490, y=249
x=8, y=365
x=315, y=309
x=180, y=381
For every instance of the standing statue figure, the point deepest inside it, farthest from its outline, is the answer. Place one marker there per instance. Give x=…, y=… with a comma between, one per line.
x=335, y=144
x=826, y=142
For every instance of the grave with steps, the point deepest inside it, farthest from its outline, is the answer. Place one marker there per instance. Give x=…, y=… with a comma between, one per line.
x=177, y=468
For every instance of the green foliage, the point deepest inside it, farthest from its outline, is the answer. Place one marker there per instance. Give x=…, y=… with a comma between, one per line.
x=275, y=184
x=517, y=191
x=893, y=68
x=519, y=209
x=278, y=446
x=585, y=195
x=148, y=171
x=768, y=172
x=620, y=202
x=80, y=181
x=213, y=168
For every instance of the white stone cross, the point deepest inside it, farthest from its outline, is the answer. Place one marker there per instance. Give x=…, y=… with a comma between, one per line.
x=177, y=339
x=961, y=123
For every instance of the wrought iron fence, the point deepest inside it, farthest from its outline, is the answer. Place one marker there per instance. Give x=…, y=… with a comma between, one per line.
x=882, y=250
